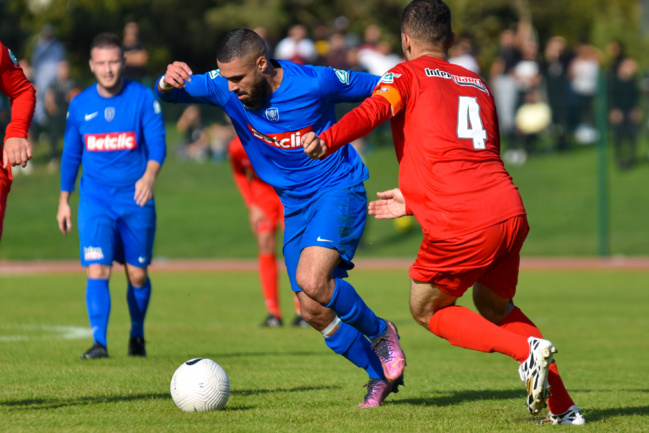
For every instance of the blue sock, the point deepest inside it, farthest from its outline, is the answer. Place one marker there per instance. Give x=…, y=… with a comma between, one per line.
x=351, y=309
x=98, y=304
x=351, y=344
x=138, y=302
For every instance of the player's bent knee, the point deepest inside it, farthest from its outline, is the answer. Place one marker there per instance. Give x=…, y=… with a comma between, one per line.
x=313, y=286
x=98, y=272
x=421, y=315
x=137, y=276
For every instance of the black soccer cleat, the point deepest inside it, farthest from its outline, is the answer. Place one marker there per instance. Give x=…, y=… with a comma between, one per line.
x=95, y=352
x=136, y=346
x=272, y=321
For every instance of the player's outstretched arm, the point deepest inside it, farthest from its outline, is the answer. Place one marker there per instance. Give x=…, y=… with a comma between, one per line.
x=391, y=205
x=175, y=76
x=16, y=151
x=144, y=186
x=314, y=146
x=64, y=214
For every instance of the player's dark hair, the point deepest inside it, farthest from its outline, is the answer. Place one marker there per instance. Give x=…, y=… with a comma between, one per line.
x=106, y=40
x=240, y=43
x=428, y=22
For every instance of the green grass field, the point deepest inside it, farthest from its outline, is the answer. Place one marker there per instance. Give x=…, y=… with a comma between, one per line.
x=200, y=213
x=286, y=380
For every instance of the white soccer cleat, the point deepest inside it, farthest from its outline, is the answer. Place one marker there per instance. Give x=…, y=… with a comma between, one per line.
x=534, y=372
x=572, y=416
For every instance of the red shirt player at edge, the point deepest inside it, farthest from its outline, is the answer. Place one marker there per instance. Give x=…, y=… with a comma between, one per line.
x=452, y=179
x=265, y=213
x=16, y=149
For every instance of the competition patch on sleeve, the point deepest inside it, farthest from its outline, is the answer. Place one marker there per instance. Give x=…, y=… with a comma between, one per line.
x=343, y=76
x=389, y=78
x=13, y=58
x=392, y=95
x=156, y=107
x=215, y=73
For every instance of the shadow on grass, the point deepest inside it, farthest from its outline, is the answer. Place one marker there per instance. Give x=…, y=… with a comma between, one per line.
x=264, y=354
x=594, y=415
x=457, y=397
x=47, y=404
x=42, y=403
x=249, y=392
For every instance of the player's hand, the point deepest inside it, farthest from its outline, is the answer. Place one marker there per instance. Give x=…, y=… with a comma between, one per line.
x=16, y=151
x=144, y=189
x=64, y=217
x=176, y=75
x=391, y=205
x=256, y=216
x=314, y=146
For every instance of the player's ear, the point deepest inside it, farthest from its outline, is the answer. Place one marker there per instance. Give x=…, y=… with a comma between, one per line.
x=262, y=64
x=406, y=43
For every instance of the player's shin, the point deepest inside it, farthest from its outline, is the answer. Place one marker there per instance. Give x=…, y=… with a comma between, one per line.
x=98, y=304
x=465, y=328
x=138, y=302
x=351, y=309
x=350, y=343
x=516, y=321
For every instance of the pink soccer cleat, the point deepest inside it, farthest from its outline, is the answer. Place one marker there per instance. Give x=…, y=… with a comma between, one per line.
x=389, y=351
x=378, y=390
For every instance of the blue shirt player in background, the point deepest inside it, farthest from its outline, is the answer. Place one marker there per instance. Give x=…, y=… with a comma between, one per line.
x=272, y=104
x=115, y=130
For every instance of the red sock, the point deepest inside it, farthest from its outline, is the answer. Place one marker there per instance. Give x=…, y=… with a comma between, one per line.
x=297, y=304
x=268, y=277
x=465, y=328
x=519, y=323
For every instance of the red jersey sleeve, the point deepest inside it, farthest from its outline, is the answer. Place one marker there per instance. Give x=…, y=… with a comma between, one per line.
x=357, y=123
x=21, y=93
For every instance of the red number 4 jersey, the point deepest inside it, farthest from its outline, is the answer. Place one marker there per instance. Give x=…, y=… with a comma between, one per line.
x=446, y=137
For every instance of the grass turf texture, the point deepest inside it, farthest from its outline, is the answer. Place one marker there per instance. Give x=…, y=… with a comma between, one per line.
x=287, y=380
x=200, y=213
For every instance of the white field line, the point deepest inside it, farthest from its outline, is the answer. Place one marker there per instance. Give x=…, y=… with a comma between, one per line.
x=41, y=332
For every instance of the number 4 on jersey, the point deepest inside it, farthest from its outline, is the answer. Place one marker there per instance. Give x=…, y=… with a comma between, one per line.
x=469, y=124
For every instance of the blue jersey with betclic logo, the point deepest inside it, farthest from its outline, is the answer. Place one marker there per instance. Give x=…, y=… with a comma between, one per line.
x=113, y=138
x=305, y=101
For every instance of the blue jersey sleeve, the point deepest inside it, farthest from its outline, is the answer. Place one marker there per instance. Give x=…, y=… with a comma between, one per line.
x=200, y=89
x=154, y=129
x=72, y=150
x=338, y=85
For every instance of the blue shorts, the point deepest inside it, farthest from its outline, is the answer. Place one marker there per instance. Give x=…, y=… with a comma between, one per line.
x=333, y=219
x=116, y=231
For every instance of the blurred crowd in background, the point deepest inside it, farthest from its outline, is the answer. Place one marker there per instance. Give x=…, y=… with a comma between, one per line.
x=546, y=91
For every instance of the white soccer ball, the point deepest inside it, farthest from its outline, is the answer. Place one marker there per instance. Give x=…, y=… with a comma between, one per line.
x=200, y=385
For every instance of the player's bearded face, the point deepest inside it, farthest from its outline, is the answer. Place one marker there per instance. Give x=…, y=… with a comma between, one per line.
x=257, y=94
x=246, y=81
x=107, y=64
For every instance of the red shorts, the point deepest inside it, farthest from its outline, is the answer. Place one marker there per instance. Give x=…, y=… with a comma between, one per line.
x=5, y=186
x=490, y=256
x=274, y=211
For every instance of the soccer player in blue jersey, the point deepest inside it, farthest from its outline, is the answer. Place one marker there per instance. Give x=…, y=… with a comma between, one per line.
x=115, y=129
x=272, y=103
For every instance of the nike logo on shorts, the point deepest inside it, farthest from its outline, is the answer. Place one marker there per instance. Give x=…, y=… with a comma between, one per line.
x=323, y=240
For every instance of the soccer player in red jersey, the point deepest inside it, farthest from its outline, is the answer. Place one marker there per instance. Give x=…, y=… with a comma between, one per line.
x=16, y=149
x=453, y=181
x=265, y=213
